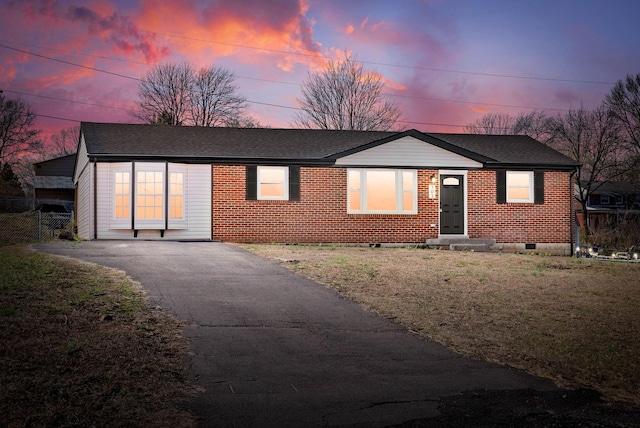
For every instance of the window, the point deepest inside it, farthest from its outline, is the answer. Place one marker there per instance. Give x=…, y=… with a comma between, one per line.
x=382, y=191
x=520, y=186
x=122, y=195
x=149, y=194
x=273, y=182
x=176, y=195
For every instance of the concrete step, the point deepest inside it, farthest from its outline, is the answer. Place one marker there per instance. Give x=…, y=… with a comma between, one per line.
x=463, y=244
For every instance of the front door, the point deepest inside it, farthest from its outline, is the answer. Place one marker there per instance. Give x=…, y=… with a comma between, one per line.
x=452, y=204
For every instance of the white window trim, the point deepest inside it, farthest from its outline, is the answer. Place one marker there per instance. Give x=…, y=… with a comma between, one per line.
x=119, y=222
x=286, y=183
x=528, y=200
x=150, y=223
x=399, y=192
x=173, y=222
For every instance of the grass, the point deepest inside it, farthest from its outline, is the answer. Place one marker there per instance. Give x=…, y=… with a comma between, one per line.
x=17, y=228
x=80, y=346
x=572, y=320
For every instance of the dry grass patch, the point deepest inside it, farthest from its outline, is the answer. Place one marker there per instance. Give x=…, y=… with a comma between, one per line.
x=573, y=320
x=80, y=346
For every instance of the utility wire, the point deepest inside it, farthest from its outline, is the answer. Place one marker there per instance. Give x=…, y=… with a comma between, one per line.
x=292, y=84
x=274, y=81
x=70, y=63
x=440, y=70
x=65, y=100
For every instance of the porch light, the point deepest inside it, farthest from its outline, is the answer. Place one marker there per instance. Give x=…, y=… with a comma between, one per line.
x=433, y=178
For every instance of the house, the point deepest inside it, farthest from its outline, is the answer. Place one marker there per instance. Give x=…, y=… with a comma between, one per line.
x=53, y=181
x=320, y=186
x=608, y=203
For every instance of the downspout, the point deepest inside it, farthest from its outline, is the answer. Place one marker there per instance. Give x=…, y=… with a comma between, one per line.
x=133, y=199
x=95, y=199
x=572, y=220
x=166, y=199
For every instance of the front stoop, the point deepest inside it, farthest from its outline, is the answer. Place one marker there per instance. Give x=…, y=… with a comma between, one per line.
x=463, y=244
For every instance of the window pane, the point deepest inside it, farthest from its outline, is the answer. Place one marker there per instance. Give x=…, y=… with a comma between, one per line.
x=354, y=180
x=519, y=186
x=451, y=181
x=176, y=195
x=272, y=182
x=272, y=190
x=271, y=175
x=381, y=190
x=518, y=179
x=407, y=201
x=176, y=207
x=407, y=181
x=121, y=195
x=149, y=200
x=518, y=193
x=354, y=200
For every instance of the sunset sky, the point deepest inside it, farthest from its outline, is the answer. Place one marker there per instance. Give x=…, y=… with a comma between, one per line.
x=446, y=63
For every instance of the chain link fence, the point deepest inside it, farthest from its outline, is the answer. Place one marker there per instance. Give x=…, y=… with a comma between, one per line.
x=34, y=225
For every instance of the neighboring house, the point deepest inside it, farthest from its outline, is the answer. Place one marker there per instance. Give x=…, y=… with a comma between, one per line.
x=53, y=181
x=320, y=186
x=609, y=202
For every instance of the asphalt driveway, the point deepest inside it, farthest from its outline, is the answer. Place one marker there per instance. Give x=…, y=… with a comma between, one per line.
x=271, y=348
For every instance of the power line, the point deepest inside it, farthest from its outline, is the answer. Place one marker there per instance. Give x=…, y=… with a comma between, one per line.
x=70, y=63
x=65, y=100
x=440, y=70
x=279, y=82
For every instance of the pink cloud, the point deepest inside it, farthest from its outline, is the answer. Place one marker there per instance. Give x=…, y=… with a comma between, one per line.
x=119, y=31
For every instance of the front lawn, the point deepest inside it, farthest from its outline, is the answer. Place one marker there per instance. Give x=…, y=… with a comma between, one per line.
x=575, y=321
x=80, y=346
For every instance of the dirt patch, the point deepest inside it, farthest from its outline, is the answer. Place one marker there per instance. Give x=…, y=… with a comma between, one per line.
x=80, y=346
x=572, y=320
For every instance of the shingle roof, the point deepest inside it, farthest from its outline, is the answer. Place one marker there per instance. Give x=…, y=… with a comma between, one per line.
x=231, y=143
x=112, y=140
x=508, y=149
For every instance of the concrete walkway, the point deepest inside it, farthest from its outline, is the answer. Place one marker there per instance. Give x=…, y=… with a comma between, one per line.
x=271, y=348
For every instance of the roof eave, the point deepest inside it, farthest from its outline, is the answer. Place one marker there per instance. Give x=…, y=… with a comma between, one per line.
x=218, y=160
x=529, y=166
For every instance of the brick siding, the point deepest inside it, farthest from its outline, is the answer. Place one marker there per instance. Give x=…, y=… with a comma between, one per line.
x=520, y=223
x=321, y=214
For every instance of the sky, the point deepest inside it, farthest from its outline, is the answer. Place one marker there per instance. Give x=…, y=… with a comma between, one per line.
x=446, y=63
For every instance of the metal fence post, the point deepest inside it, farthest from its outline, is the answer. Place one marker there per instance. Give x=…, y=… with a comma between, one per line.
x=39, y=224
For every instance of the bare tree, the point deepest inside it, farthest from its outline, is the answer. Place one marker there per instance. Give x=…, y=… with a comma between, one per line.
x=63, y=143
x=345, y=96
x=165, y=95
x=215, y=99
x=17, y=136
x=534, y=124
x=624, y=104
x=492, y=124
x=592, y=139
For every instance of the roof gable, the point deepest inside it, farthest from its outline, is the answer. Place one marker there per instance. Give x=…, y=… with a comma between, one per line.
x=408, y=151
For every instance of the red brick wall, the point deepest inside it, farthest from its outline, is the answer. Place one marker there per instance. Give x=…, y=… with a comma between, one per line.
x=321, y=214
x=519, y=223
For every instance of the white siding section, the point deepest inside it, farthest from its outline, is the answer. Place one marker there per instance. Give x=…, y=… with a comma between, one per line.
x=83, y=179
x=408, y=152
x=82, y=159
x=197, y=205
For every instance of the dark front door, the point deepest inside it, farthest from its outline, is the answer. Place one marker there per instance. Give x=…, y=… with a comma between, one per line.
x=451, y=204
